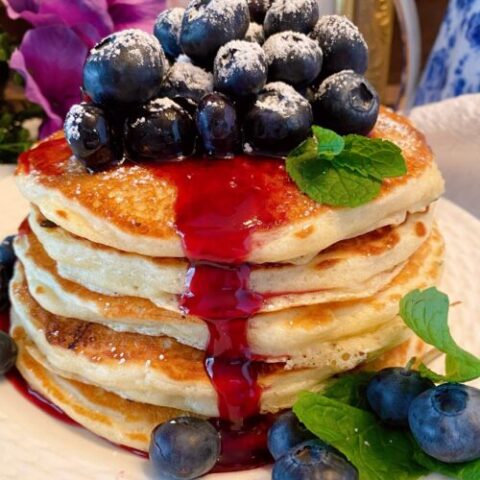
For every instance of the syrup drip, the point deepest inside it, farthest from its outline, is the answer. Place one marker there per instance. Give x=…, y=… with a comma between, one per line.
x=220, y=203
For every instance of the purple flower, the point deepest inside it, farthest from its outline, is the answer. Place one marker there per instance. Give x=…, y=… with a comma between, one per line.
x=52, y=54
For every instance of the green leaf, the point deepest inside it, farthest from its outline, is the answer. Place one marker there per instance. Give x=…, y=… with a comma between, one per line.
x=462, y=471
x=372, y=157
x=377, y=452
x=350, y=389
x=329, y=143
x=426, y=313
x=338, y=187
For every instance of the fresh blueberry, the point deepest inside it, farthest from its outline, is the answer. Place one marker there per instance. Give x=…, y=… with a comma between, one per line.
x=167, y=30
x=240, y=69
x=279, y=120
x=391, y=391
x=7, y=254
x=293, y=58
x=343, y=45
x=8, y=353
x=184, y=448
x=124, y=68
x=312, y=460
x=445, y=422
x=286, y=433
x=258, y=9
x=160, y=130
x=5, y=277
x=185, y=80
x=346, y=103
x=295, y=15
x=89, y=136
x=255, y=33
x=218, y=125
x=209, y=24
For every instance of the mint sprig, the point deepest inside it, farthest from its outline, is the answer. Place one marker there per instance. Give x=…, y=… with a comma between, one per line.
x=376, y=451
x=343, y=171
x=426, y=313
x=340, y=418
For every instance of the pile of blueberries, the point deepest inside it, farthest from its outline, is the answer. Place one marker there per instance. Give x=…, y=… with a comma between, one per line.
x=8, y=349
x=219, y=78
x=443, y=419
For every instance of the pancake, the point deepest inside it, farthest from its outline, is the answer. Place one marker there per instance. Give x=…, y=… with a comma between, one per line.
x=163, y=372
x=296, y=335
x=122, y=421
x=132, y=208
x=350, y=269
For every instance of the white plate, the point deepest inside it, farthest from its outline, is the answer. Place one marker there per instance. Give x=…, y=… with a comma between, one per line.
x=35, y=446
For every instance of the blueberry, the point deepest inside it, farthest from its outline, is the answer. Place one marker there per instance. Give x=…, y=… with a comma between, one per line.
x=343, y=45
x=445, y=422
x=184, y=448
x=7, y=254
x=279, y=120
x=347, y=103
x=293, y=58
x=312, y=460
x=86, y=129
x=217, y=123
x=8, y=353
x=160, y=130
x=286, y=433
x=391, y=391
x=240, y=68
x=185, y=80
x=255, y=33
x=258, y=9
x=295, y=15
x=124, y=68
x=167, y=30
x=209, y=24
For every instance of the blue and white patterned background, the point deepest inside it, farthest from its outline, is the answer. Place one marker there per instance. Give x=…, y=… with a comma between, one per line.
x=454, y=64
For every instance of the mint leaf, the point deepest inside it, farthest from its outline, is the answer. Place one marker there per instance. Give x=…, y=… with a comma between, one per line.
x=339, y=187
x=426, y=313
x=377, y=452
x=372, y=157
x=350, y=389
x=462, y=471
x=307, y=150
x=329, y=142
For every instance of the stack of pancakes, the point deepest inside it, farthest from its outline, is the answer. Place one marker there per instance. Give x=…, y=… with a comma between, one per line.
x=96, y=310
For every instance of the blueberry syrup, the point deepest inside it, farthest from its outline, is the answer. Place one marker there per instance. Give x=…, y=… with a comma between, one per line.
x=24, y=389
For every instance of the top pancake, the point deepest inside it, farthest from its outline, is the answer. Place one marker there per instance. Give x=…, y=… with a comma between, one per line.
x=132, y=209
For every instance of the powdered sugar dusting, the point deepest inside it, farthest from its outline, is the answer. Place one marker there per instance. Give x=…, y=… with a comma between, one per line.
x=255, y=33
x=72, y=122
x=333, y=27
x=215, y=11
x=239, y=56
x=143, y=49
x=161, y=104
x=286, y=101
x=282, y=7
x=281, y=45
x=175, y=15
x=193, y=77
x=337, y=81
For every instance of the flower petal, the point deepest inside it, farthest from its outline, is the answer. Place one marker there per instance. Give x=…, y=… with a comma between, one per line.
x=135, y=13
x=51, y=60
x=90, y=18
